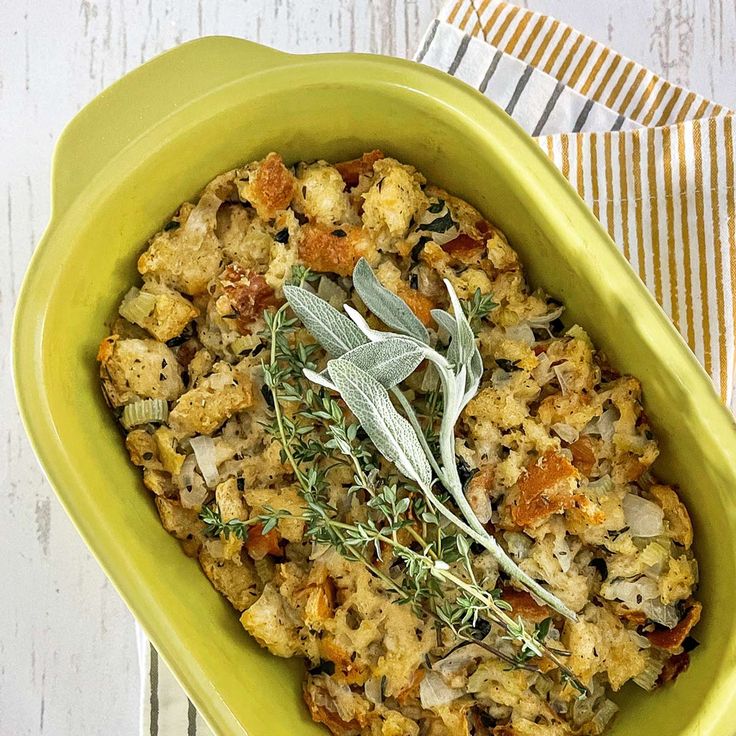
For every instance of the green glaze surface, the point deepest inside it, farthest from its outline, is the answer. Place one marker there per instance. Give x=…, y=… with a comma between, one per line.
x=154, y=139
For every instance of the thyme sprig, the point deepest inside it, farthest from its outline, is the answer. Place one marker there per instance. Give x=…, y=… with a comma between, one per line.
x=430, y=566
x=368, y=363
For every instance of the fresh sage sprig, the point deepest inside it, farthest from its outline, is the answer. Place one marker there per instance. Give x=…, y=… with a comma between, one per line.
x=365, y=389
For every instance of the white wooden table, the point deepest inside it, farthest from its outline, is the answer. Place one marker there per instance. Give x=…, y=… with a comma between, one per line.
x=67, y=649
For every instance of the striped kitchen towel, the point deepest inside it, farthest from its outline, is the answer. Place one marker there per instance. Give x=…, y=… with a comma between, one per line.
x=654, y=161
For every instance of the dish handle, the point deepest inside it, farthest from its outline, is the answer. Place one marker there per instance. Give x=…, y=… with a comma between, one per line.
x=142, y=98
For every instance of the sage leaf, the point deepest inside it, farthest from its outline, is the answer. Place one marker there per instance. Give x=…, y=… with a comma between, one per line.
x=465, y=335
x=321, y=379
x=392, y=435
x=390, y=361
x=388, y=307
x=445, y=320
x=334, y=331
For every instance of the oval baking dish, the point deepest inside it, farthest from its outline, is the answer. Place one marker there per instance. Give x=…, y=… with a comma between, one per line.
x=154, y=139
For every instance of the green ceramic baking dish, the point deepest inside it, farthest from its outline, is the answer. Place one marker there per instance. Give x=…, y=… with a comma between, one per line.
x=152, y=140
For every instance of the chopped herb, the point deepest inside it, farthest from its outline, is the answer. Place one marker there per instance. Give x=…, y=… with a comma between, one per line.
x=464, y=470
x=419, y=247
x=690, y=643
x=508, y=365
x=323, y=667
x=267, y=396
x=441, y=224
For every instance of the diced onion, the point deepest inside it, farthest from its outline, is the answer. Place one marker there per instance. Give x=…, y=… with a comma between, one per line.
x=566, y=432
x=603, y=717
x=519, y=545
x=331, y=292
x=373, y=692
x=521, y=333
x=564, y=373
x=137, y=305
x=660, y=613
x=186, y=474
x=145, y=411
x=644, y=518
x=543, y=373
x=459, y=658
x=602, y=485
x=647, y=678
x=218, y=381
x=433, y=691
x=544, y=319
x=193, y=495
x=633, y=593
x=603, y=425
x=204, y=451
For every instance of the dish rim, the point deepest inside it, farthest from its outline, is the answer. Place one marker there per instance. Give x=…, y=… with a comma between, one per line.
x=27, y=332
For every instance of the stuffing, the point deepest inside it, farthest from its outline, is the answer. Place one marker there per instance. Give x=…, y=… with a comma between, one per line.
x=217, y=397
x=599, y=642
x=395, y=197
x=166, y=448
x=141, y=447
x=390, y=276
x=237, y=582
x=679, y=526
x=286, y=499
x=321, y=196
x=188, y=256
x=351, y=171
x=269, y=186
x=270, y=623
x=184, y=524
x=138, y=369
x=547, y=486
x=246, y=295
x=160, y=310
x=335, y=557
x=678, y=580
x=159, y=482
x=504, y=406
x=244, y=238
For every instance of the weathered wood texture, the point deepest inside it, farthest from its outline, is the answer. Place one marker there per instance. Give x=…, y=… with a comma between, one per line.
x=67, y=651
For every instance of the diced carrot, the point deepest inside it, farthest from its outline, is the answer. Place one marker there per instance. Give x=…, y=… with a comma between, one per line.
x=522, y=604
x=420, y=304
x=258, y=545
x=350, y=171
x=545, y=488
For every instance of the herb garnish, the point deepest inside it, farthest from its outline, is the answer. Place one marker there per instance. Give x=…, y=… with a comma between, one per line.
x=411, y=518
